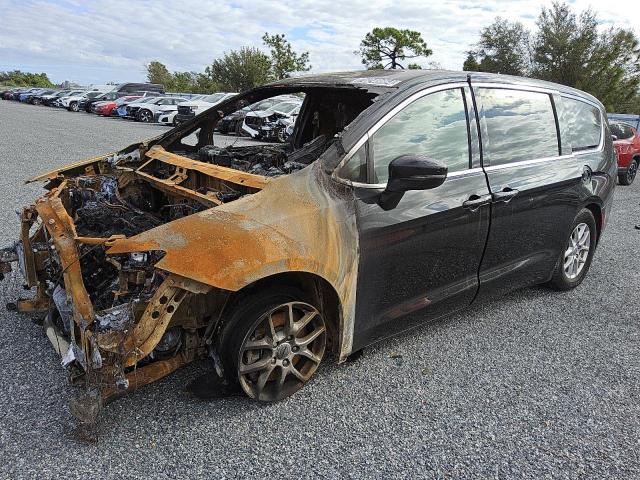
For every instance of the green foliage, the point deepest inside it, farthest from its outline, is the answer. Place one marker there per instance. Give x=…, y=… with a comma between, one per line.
x=414, y=66
x=566, y=48
x=471, y=64
x=503, y=48
x=284, y=60
x=157, y=72
x=387, y=47
x=16, y=78
x=240, y=70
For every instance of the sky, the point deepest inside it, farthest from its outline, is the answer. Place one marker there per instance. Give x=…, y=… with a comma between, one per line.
x=111, y=40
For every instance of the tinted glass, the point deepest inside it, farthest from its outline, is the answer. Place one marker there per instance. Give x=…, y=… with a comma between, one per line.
x=516, y=125
x=583, y=124
x=356, y=168
x=621, y=130
x=434, y=125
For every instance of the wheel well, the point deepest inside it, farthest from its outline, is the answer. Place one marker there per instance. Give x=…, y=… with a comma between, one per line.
x=317, y=290
x=597, y=215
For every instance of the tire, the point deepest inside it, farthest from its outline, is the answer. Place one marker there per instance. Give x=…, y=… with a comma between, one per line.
x=574, y=261
x=73, y=106
x=269, y=360
x=145, y=116
x=629, y=176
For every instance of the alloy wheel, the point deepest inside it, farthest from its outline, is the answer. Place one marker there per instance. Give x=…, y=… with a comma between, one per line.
x=282, y=351
x=145, y=116
x=74, y=106
x=577, y=252
x=632, y=171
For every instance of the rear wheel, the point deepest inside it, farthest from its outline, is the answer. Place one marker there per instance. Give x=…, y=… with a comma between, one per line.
x=629, y=176
x=575, y=258
x=73, y=106
x=273, y=344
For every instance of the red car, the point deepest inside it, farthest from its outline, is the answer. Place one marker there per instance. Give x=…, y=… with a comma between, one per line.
x=627, y=144
x=106, y=108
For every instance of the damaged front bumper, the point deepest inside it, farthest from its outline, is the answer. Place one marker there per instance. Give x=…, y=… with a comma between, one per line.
x=144, y=337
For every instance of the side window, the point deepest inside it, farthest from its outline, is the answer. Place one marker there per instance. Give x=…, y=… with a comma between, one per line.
x=434, y=125
x=356, y=168
x=583, y=124
x=516, y=125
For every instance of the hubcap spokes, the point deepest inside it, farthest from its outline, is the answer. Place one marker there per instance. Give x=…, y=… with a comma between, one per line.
x=631, y=172
x=283, y=352
x=575, y=256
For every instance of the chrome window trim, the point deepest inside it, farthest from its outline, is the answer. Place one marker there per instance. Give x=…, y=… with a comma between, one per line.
x=376, y=186
x=446, y=86
x=390, y=114
x=534, y=161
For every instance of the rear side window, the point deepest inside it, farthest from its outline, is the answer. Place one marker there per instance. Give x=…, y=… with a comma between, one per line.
x=517, y=125
x=622, y=131
x=583, y=124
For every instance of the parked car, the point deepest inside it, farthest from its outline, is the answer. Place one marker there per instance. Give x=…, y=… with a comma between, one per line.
x=150, y=111
x=87, y=102
x=25, y=95
x=73, y=103
x=125, y=112
x=63, y=101
x=36, y=99
x=233, y=123
x=132, y=88
x=108, y=108
x=49, y=100
x=261, y=124
x=626, y=141
x=629, y=119
x=167, y=117
x=402, y=197
x=188, y=110
x=29, y=97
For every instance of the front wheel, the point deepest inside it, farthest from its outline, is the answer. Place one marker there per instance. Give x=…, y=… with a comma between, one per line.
x=145, y=116
x=629, y=176
x=273, y=345
x=575, y=258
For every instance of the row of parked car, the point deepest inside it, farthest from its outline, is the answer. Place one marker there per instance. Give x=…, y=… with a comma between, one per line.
x=271, y=119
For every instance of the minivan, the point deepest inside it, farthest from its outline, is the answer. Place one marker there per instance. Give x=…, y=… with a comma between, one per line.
x=401, y=196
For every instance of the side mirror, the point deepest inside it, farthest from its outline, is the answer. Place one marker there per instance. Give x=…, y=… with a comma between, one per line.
x=415, y=172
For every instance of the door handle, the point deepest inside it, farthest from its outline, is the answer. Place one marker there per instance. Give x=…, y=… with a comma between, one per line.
x=505, y=195
x=476, y=201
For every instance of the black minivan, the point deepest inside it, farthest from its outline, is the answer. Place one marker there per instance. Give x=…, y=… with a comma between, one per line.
x=401, y=196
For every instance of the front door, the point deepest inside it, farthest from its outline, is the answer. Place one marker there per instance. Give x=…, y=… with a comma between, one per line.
x=419, y=259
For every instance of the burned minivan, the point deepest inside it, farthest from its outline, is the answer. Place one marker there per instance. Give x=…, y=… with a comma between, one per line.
x=399, y=198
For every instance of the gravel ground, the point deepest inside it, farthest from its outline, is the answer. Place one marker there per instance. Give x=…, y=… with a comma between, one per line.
x=536, y=385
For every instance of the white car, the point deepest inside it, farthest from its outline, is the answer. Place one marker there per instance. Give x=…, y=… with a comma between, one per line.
x=258, y=124
x=64, y=101
x=148, y=112
x=188, y=110
x=167, y=117
x=71, y=102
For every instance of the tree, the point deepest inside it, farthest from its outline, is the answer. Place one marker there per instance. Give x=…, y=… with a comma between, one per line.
x=503, y=48
x=471, y=64
x=568, y=49
x=387, y=47
x=158, y=73
x=17, y=78
x=284, y=60
x=240, y=70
